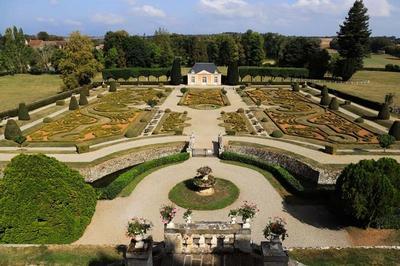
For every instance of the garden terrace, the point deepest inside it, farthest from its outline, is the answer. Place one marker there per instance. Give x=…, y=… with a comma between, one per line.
x=296, y=115
x=236, y=123
x=172, y=122
x=109, y=116
x=204, y=99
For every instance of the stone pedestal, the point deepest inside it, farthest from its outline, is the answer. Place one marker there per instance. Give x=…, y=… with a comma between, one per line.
x=273, y=253
x=140, y=257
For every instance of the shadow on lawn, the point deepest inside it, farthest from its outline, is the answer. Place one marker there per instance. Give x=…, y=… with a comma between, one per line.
x=103, y=259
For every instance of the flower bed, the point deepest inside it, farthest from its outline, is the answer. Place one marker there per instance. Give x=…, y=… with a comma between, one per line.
x=204, y=98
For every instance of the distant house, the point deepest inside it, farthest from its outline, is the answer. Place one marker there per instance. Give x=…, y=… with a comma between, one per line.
x=204, y=74
x=39, y=44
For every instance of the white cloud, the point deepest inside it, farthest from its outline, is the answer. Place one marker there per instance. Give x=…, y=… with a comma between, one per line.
x=376, y=8
x=46, y=20
x=72, y=22
x=229, y=8
x=150, y=11
x=107, y=18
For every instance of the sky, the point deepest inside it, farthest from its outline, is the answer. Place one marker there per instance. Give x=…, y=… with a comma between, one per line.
x=289, y=17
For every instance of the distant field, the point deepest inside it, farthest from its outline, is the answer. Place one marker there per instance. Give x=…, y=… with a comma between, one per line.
x=380, y=60
x=26, y=88
x=381, y=83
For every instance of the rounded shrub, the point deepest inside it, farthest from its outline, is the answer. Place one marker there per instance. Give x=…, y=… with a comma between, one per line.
x=324, y=90
x=82, y=98
x=325, y=100
x=222, y=112
x=264, y=119
x=334, y=104
x=185, y=112
x=359, y=120
x=23, y=113
x=104, y=86
x=395, y=130
x=160, y=95
x=47, y=120
x=277, y=134
x=167, y=110
x=60, y=102
x=295, y=87
x=143, y=120
x=113, y=86
x=240, y=110
x=12, y=130
x=100, y=96
x=184, y=90
x=43, y=201
x=73, y=104
x=384, y=113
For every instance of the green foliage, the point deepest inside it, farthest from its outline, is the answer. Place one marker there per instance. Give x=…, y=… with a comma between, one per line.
x=345, y=68
x=176, y=76
x=20, y=139
x=386, y=140
x=79, y=65
x=23, y=113
x=330, y=149
x=82, y=98
x=113, y=86
x=279, y=172
x=135, y=72
x=324, y=90
x=82, y=148
x=12, y=130
x=47, y=120
x=277, y=134
x=240, y=111
x=319, y=64
x=296, y=87
x=151, y=102
x=73, y=104
x=359, y=120
x=353, y=39
x=282, y=72
x=395, y=130
x=115, y=187
x=233, y=74
x=43, y=201
x=184, y=90
x=325, y=100
x=252, y=43
x=384, y=113
x=334, y=104
x=369, y=192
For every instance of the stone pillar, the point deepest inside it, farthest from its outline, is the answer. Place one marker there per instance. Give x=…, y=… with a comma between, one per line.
x=142, y=257
x=220, y=144
x=273, y=253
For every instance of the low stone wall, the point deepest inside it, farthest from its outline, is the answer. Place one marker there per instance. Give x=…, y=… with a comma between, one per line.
x=313, y=173
x=100, y=170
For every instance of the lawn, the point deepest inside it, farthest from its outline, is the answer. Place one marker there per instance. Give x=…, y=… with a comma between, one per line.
x=349, y=256
x=380, y=60
x=27, y=88
x=381, y=83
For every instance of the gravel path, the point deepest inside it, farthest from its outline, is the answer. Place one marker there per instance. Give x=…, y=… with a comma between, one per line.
x=308, y=226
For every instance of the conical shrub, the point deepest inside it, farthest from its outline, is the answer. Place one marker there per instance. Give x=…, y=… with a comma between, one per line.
x=325, y=99
x=23, y=113
x=12, y=130
x=384, y=113
x=113, y=86
x=334, y=104
x=295, y=87
x=395, y=130
x=82, y=98
x=73, y=104
x=324, y=90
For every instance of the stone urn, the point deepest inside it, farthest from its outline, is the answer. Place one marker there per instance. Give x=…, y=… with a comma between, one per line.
x=138, y=241
x=204, y=182
x=170, y=225
x=246, y=223
x=189, y=219
x=233, y=219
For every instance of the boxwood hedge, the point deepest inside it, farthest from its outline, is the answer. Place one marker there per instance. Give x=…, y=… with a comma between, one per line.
x=43, y=201
x=283, y=176
x=114, y=188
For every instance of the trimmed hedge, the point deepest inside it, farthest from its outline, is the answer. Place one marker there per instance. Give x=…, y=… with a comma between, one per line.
x=384, y=113
x=83, y=98
x=395, y=130
x=43, y=201
x=277, y=134
x=334, y=104
x=325, y=100
x=23, y=113
x=113, y=86
x=114, y=188
x=73, y=104
x=283, y=176
x=283, y=72
x=135, y=72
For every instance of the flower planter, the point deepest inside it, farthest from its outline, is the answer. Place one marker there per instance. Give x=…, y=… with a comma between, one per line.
x=189, y=219
x=138, y=240
x=170, y=225
x=233, y=219
x=246, y=223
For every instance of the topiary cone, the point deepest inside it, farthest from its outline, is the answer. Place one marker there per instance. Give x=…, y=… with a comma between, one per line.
x=12, y=130
x=325, y=99
x=73, y=104
x=324, y=90
x=82, y=98
x=23, y=113
x=384, y=113
x=395, y=130
x=334, y=104
x=113, y=86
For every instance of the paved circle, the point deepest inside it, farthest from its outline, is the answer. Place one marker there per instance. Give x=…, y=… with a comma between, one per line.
x=308, y=226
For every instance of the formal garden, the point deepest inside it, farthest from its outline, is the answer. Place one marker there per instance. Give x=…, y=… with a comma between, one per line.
x=113, y=114
x=204, y=99
x=297, y=115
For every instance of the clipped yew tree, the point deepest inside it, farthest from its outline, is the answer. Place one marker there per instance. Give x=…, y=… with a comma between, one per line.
x=73, y=104
x=325, y=99
x=368, y=192
x=43, y=201
x=384, y=113
x=233, y=74
x=12, y=130
x=176, y=74
x=334, y=104
x=83, y=98
x=23, y=113
x=395, y=130
x=113, y=86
